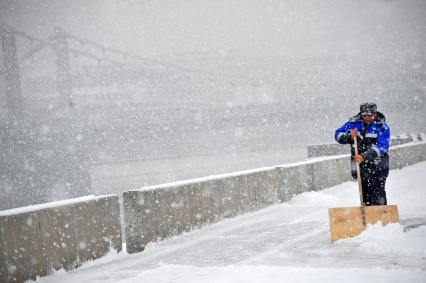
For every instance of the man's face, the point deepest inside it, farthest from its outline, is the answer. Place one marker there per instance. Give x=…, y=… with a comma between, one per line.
x=368, y=118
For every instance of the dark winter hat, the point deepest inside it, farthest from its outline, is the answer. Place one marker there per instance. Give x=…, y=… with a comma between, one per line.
x=368, y=108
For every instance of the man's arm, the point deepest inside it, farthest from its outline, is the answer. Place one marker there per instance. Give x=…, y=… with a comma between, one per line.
x=343, y=134
x=381, y=146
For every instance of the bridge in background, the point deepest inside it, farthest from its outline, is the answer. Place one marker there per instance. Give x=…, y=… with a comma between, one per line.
x=73, y=105
x=80, y=117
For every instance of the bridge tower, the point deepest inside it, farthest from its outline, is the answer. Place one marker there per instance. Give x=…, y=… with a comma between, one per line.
x=63, y=65
x=12, y=79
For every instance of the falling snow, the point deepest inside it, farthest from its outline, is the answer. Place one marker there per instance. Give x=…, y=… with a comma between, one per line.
x=104, y=96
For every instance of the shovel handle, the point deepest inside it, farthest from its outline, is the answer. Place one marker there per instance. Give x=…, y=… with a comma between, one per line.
x=358, y=175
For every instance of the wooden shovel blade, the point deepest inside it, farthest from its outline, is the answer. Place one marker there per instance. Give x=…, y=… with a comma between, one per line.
x=346, y=222
x=384, y=213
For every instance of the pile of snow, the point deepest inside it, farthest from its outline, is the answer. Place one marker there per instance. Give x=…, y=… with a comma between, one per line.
x=391, y=239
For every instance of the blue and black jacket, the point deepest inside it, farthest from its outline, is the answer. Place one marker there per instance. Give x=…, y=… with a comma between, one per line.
x=373, y=144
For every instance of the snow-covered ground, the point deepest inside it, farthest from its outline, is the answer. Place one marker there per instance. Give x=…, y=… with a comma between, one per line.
x=288, y=242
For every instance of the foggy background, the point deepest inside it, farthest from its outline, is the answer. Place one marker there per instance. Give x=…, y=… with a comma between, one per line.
x=114, y=95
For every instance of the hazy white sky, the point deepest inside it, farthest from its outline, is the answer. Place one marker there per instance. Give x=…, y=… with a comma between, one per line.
x=249, y=27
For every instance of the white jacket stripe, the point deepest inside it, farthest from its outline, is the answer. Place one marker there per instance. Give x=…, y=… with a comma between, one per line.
x=371, y=135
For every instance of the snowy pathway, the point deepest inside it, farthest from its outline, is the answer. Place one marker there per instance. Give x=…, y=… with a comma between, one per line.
x=284, y=243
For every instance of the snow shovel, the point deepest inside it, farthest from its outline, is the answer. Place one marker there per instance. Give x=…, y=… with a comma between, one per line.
x=347, y=222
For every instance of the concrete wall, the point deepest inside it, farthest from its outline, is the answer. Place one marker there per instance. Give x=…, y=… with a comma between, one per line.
x=322, y=173
x=312, y=175
x=408, y=154
x=318, y=150
x=154, y=213
x=35, y=240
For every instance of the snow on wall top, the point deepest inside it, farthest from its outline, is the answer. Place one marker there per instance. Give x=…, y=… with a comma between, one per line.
x=204, y=179
x=54, y=204
x=234, y=174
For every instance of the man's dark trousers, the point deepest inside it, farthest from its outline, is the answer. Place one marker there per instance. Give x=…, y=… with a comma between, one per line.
x=373, y=190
